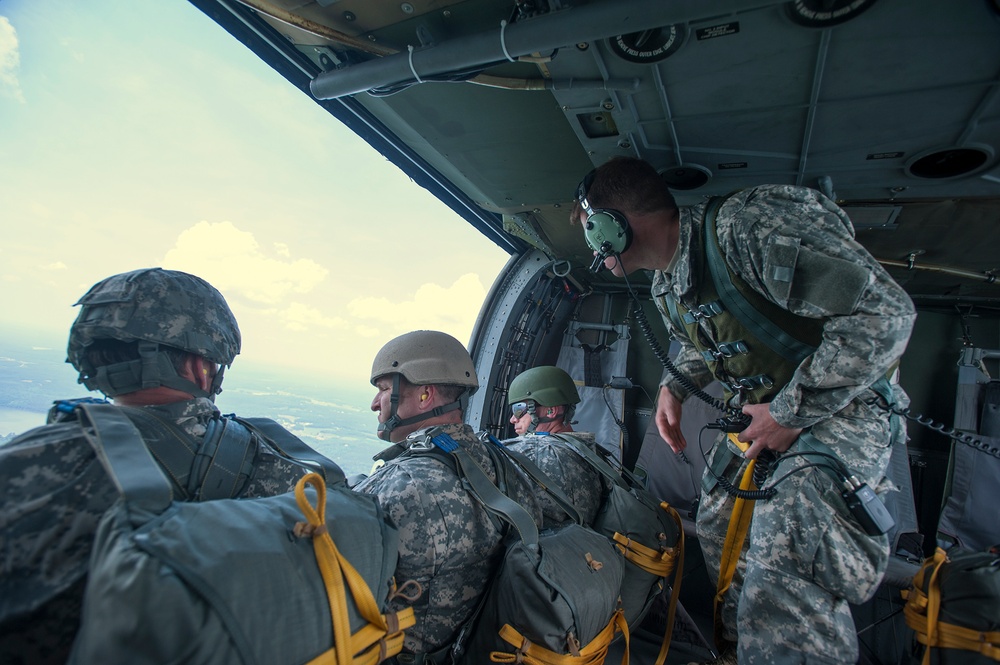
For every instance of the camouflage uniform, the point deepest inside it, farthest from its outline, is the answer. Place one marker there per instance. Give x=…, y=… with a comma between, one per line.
x=806, y=558
x=447, y=541
x=571, y=473
x=53, y=492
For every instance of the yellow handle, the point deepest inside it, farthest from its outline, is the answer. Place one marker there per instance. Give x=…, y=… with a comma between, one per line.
x=739, y=525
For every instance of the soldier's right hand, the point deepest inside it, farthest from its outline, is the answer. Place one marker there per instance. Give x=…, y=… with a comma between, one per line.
x=668, y=420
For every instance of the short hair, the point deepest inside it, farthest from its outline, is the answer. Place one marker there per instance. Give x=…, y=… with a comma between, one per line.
x=626, y=184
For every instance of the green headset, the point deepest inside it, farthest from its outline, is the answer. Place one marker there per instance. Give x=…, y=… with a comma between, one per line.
x=607, y=231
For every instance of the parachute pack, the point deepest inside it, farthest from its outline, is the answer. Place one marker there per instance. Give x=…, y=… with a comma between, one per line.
x=954, y=608
x=294, y=578
x=555, y=598
x=647, y=532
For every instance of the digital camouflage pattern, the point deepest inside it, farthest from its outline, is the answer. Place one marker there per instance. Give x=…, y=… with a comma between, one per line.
x=805, y=558
x=447, y=541
x=570, y=472
x=53, y=492
x=868, y=316
x=155, y=305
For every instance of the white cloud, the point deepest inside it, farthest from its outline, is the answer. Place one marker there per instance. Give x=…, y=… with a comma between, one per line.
x=10, y=62
x=433, y=307
x=301, y=317
x=58, y=265
x=368, y=331
x=233, y=262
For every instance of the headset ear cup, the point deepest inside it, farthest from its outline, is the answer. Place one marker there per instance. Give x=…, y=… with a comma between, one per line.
x=607, y=226
x=627, y=228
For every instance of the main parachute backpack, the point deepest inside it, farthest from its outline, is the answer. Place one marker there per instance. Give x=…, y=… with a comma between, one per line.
x=954, y=608
x=297, y=578
x=555, y=598
x=647, y=532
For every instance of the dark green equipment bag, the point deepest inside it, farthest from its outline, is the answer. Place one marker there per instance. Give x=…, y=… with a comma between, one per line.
x=555, y=598
x=954, y=608
x=233, y=580
x=647, y=532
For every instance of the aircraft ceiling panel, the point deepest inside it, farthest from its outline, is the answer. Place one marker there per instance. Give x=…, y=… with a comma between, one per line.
x=737, y=95
x=915, y=45
x=909, y=122
x=491, y=141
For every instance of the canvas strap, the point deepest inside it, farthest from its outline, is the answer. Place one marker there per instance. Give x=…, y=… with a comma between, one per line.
x=739, y=525
x=382, y=636
x=923, y=609
x=593, y=653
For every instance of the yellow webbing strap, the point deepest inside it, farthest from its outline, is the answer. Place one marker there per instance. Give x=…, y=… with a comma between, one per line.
x=739, y=524
x=923, y=608
x=659, y=562
x=382, y=637
x=675, y=592
x=525, y=651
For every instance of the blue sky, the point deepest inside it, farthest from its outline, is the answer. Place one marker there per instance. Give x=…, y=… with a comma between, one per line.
x=135, y=134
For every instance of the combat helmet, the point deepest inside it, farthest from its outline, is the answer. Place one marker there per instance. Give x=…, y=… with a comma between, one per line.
x=424, y=357
x=546, y=385
x=155, y=308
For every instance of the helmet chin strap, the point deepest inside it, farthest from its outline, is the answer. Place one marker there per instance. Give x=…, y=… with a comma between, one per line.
x=394, y=421
x=151, y=370
x=537, y=420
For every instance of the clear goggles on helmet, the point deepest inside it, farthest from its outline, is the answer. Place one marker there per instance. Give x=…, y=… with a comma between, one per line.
x=518, y=409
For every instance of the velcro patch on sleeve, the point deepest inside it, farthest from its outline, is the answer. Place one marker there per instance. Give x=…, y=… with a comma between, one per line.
x=831, y=284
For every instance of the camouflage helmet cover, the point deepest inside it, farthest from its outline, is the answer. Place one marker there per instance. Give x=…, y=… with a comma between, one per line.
x=426, y=357
x=167, y=307
x=545, y=385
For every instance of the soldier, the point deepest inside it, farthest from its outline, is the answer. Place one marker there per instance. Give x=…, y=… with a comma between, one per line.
x=448, y=542
x=154, y=339
x=542, y=401
x=791, y=253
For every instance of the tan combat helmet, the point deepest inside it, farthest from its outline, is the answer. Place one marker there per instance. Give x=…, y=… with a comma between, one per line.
x=424, y=357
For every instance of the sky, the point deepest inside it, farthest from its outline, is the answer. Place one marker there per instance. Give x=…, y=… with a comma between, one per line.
x=138, y=134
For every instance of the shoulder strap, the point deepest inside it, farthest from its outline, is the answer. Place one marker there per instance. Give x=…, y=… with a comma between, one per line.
x=118, y=445
x=542, y=479
x=592, y=458
x=675, y=317
x=174, y=450
x=218, y=467
x=762, y=327
x=493, y=500
x=224, y=463
x=293, y=447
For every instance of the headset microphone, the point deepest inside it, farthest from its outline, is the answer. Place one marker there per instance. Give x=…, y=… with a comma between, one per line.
x=606, y=231
x=601, y=254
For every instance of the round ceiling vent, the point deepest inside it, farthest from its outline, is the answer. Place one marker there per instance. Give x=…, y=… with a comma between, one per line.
x=685, y=176
x=824, y=13
x=954, y=162
x=650, y=45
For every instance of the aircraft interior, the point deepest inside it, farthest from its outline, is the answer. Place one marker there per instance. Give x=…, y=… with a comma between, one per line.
x=889, y=107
